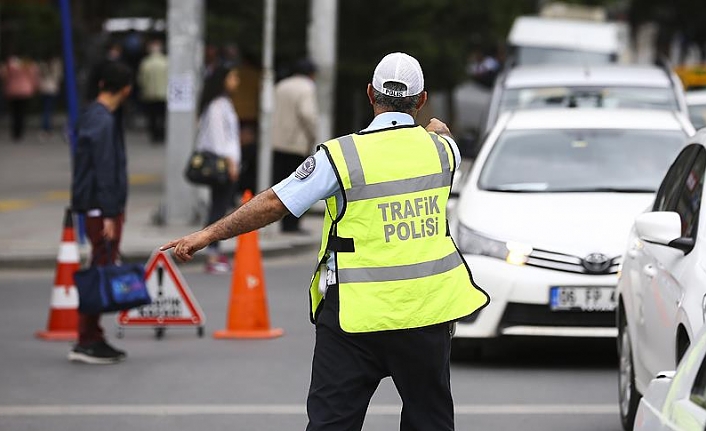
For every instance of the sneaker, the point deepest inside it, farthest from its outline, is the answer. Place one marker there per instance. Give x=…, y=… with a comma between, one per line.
x=99, y=352
x=120, y=353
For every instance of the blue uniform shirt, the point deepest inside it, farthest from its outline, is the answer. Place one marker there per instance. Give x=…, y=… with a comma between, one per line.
x=309, y=184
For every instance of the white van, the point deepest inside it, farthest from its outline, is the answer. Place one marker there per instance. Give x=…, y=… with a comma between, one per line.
x=538, y=40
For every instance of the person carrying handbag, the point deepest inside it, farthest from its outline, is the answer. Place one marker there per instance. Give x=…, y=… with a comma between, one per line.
x=99, y=190
x=219, y=133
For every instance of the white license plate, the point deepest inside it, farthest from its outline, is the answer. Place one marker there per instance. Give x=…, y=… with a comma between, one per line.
x=582, y=298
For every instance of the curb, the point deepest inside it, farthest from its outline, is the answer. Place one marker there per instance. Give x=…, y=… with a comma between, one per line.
x=268, y=249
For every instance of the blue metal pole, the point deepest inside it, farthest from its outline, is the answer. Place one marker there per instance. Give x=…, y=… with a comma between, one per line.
x=71, y=90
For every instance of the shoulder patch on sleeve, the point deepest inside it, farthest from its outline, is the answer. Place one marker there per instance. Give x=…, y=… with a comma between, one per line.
x=306, y=168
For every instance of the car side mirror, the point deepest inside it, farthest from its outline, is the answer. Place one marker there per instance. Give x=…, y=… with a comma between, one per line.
x=664, y=228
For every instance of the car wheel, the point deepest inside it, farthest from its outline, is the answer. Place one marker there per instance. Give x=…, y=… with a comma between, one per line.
x=628, y=396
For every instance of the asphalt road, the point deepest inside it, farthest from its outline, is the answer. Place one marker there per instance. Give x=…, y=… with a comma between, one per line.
x=188, y=383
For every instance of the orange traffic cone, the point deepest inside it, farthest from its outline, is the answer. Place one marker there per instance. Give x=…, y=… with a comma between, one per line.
x=63, y=311
x=247, y=310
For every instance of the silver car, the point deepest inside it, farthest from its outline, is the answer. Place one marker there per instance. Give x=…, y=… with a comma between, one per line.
x=610, y=86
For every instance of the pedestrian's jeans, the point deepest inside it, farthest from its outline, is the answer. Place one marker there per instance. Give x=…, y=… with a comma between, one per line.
x=89, y=328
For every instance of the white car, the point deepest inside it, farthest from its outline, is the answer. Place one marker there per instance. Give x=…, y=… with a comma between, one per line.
x=662, y=286
x=543, y=216
x=696, y=102
x=605, y=86
x=676, y=401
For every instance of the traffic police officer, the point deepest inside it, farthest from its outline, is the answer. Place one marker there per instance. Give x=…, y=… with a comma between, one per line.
x=390, y=281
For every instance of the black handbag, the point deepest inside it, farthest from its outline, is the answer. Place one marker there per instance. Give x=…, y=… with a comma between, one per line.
x=109, y=288
x=207, y=168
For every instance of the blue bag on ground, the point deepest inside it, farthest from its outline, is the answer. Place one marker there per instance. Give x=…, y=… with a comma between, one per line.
x=104, y=289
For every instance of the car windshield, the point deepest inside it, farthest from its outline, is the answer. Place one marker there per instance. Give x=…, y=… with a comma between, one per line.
x=605, y=160
x=593, y=97
x=697, y=115
x=535, y=55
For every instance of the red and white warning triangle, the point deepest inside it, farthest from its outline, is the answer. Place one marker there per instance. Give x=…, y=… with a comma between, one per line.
x=172, y=300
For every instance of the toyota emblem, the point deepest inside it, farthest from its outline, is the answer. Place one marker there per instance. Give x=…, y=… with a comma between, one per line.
x=596, y=263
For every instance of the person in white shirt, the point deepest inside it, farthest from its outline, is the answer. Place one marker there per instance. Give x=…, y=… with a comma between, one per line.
x=294, y=127
x=152, y=76
x=349, y=361
x=219, y=133
x=51, y=73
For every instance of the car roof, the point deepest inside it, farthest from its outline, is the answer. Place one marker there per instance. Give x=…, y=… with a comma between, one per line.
x=696, y=97
x=575, y=34
x=603, y=75
x=590, y=118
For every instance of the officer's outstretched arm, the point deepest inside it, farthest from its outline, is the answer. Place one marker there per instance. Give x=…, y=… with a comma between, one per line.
x=262, y=210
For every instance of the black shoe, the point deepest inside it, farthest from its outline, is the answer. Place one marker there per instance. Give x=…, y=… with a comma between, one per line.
x=120, y=353
x=99, y=352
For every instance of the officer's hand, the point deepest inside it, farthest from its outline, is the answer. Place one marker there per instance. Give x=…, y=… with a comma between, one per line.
x=186, y=247
x=438, y=127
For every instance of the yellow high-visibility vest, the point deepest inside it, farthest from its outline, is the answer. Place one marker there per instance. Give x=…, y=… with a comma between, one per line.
x=396, y=264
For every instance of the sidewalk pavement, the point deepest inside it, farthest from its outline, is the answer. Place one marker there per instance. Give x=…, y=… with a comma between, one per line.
x=35, y=178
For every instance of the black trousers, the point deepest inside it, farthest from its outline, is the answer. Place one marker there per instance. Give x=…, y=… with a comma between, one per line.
x=18, y=109
x=156, y=113
x=222, y=198
x=347, y=369
x=283, y=164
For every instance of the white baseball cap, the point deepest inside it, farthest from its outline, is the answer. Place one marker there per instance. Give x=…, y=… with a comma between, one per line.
x=402, y=68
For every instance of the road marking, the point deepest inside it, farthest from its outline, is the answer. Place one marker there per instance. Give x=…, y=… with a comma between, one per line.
x=289, y=409
x=15, y=204
x=57, y=195
x=144, y=179
x=64, y=195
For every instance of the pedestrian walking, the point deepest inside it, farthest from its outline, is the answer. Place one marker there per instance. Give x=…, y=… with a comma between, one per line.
x=21, y=79
x=219, y=133
x=99, y=190
x=389, y=281
x=247, y=104
x=51, y=73
x=294, y=127
x=152, y=78
x=113, y=53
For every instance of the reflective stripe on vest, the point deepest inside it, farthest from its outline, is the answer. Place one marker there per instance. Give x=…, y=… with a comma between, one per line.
x=360, y=190
x=402, y=271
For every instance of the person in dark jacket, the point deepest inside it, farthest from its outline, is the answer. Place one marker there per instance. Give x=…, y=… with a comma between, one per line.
x=99, y=190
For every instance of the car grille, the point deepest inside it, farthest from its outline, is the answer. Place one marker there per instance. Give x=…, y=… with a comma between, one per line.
x=568, y=263
x=541, y=315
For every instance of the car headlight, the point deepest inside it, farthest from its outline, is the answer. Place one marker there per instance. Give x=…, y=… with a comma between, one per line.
x=472, y=242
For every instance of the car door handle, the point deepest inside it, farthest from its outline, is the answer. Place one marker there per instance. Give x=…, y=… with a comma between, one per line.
x=649, y=270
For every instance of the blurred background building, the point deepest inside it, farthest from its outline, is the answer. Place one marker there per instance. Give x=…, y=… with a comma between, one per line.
x=462, y=45
x=446, y=35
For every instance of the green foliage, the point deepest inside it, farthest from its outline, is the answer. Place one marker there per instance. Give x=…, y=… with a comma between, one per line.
x=31, y=29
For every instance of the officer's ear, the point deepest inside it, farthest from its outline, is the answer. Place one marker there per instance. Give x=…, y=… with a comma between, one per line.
x=371, y=95
x=422, y=101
